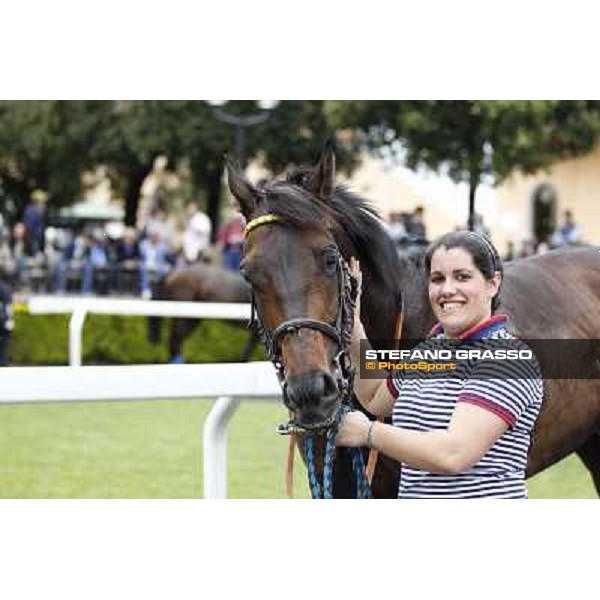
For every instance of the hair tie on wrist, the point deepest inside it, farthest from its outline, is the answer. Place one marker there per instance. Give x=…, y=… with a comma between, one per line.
x=370, y=435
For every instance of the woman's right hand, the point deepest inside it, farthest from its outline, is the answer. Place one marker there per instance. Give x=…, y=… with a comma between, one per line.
x=353, y=430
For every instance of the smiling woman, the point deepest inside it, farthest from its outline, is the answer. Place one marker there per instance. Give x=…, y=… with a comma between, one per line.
x=465, y=274
x=467, y=435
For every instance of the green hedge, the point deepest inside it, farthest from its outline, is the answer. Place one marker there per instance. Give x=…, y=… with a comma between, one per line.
x=44, y=340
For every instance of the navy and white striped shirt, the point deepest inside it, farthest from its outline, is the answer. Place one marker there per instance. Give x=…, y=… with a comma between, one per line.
x=426, y=403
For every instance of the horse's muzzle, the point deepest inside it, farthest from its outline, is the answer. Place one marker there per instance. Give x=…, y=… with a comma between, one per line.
x=313, y=397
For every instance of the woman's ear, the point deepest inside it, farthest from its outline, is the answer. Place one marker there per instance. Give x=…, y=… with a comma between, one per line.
x=494, y=284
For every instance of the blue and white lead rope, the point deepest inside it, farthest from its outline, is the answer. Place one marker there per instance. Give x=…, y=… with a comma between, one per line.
x=363, y=489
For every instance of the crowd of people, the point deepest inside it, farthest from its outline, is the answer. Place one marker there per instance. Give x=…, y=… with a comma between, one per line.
x=91, y=260
x=408, y=230
x=567, y=234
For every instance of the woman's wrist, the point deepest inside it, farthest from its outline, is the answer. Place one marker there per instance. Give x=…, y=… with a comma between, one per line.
x=358, y=334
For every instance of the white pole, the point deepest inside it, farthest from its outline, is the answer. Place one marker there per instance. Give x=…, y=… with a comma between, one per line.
x=215, y=447
x=75, y=336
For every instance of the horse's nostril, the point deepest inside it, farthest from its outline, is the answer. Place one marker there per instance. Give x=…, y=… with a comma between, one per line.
x=309, y=390
x=329, y=386
x=288, y=396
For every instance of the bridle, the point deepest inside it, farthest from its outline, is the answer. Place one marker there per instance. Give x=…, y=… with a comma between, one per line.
x=340, y=332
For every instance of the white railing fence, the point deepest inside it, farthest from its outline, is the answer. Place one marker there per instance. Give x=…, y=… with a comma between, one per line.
x=228, y=383
x=79, y=307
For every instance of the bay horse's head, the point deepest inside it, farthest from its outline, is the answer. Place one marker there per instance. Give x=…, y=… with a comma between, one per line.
x=302, y=292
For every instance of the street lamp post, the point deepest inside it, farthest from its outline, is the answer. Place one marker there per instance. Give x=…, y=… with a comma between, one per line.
x=241, y=123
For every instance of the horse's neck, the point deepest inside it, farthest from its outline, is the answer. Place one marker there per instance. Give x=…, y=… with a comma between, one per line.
x=381, y=307
x=418, y=316
x=386, y=280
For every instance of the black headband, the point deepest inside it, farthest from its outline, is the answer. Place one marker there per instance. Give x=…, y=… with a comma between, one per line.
x=488, y=245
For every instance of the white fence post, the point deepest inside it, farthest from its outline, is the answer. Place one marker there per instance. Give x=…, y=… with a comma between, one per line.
x=51, y=384
x=215, y=447
x=76, y=335
x=231, y=383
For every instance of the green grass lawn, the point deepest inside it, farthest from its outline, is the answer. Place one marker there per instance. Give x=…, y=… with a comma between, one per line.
x=150, y=449
x=567, y=479
x=153, y=449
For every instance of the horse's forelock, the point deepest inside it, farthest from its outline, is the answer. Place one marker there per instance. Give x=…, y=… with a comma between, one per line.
x=294, y=204
x=354, y=217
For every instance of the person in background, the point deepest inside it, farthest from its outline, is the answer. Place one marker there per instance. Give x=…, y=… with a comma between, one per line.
x=479, y=226
x=396, y=227
x=34, y=219
x=568, y=233
x=4, y=232
x=154, y=263
x=231, y=238
x=127, y=257
x=6, y=320
x=196, y=238
x=159, y=222
x=95, y=263
x=18, y=246
x=511, y=253
x=416, y=225
x=75, y=258
x=8, y=265
x=527, y=248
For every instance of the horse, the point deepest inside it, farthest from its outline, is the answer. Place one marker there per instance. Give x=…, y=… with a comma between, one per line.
x=306, y=221
x=201, y=282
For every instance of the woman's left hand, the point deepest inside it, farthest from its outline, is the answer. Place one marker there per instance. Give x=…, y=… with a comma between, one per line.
x=356, y=274
x=353, y=430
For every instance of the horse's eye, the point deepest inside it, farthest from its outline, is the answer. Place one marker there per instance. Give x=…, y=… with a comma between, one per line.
x=253, y=276
x=330, y=262
x=245, y=272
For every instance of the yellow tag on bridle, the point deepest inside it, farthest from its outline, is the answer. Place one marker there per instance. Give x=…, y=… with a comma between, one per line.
x=261, y=221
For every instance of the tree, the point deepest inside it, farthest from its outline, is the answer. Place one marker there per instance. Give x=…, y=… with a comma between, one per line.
x=43, y=144
x=474, y=138
x=297, y=134
x=131, y=134
x=50, y=145
x=294, y=134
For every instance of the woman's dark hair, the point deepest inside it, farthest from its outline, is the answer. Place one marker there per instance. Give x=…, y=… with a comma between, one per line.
x=484, y=254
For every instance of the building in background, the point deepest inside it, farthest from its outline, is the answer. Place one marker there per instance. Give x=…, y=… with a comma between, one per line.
x=522, y=208
x=537, y=203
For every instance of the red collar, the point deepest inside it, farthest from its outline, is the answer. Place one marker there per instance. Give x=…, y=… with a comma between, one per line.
x=477, y=329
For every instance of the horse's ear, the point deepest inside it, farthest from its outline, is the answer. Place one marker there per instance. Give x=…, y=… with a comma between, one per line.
x=244, y=192
x=322, y=181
